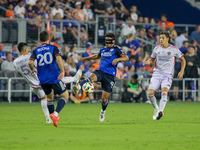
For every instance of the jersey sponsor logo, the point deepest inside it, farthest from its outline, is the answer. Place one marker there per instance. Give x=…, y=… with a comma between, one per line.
x=169, y=53
x=106, y=54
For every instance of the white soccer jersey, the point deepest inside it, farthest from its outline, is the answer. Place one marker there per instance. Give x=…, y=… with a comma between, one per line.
x=165, y=58
x=21, y=65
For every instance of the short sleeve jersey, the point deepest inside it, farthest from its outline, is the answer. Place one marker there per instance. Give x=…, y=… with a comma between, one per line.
x=46, y=63
x=21, y=65
x=165, y=58
x=107, y=57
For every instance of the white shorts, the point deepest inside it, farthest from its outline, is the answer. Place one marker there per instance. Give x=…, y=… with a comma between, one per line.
x=158, y=79
x=39, y=92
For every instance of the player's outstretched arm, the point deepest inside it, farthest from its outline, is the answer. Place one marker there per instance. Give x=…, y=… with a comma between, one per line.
x=61, y=67
x=93, y=57
x=183, y=63
x=124, y=57
x=149, y=61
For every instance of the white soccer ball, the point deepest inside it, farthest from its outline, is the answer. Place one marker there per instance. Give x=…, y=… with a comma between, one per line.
x=88, y=88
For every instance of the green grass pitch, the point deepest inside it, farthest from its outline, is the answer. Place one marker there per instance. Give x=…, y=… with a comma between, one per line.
x=127, y=126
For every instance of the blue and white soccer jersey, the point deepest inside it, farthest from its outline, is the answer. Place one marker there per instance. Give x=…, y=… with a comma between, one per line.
x=47, y=69
x=164, y=66
x=107, y=71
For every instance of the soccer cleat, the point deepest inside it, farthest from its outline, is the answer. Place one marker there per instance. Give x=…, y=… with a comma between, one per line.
x=48, y=120
x=160, y=114
x=54, y=119
x=76, y=88
x=155, y=114
x=102, y=116
x=78, y=76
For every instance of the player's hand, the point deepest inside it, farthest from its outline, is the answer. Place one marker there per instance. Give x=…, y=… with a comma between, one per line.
x=61, y=76
x=180, y=74
x=147, y=63
x=114, y=62
x=81, y=59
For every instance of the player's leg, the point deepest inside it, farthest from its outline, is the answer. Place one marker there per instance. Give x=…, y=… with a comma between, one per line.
x=50, y=104
x=153, y=86
x=104, y=104
x=75, y=78
x=165, y=85
x=107, y=84
x=41, y=95
x=163, y=102
x=93, y=78
x=47, y=88
x=61, y=90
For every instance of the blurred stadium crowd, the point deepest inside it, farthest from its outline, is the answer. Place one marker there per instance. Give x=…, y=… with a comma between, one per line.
x=135, y=39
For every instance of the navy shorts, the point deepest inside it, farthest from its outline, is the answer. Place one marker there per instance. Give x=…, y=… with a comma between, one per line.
x=58, y=88
x=107, y=80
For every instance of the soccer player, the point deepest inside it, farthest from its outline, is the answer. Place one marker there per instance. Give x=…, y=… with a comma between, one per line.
x=110, y=56
x=21, y=65
x=164, y=56
x=49, y=77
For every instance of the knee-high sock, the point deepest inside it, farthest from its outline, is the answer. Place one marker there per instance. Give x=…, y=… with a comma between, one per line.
x=84, y=81
x=104, y=105
x=44, y=107
x=153, y=100
x=163, y=101
x=68, y=79
x=50, y=106
x=60, y=105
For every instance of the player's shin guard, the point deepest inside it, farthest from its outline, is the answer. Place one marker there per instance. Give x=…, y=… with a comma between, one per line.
x=104, y=105
x=44, y=107
x=60, y=105
x=153, y=100
x=50, y=106
x=163, y=101
x=84, y=81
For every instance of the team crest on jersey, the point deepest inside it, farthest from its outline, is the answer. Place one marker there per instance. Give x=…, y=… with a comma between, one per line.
x=169, y=53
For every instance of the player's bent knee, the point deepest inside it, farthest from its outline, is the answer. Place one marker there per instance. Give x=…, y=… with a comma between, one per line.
x=65, y=95
x=151, y=92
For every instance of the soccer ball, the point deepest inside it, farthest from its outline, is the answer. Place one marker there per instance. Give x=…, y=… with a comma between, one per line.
x=88, y=88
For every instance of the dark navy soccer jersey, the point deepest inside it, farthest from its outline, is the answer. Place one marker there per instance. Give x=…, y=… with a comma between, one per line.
x=47, y=69
x=107, y=57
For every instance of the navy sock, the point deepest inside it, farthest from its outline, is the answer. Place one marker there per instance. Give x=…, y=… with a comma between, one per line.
x=84, y=81
x=104, y=105
x=61, y=104
x=50, y=106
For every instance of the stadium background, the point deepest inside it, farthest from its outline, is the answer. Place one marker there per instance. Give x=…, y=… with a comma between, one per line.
x=127, y=125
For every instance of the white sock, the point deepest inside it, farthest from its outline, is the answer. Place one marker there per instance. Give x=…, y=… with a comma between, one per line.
x=68, y=79
x=44, y=107
x=153, y=100
x=163, y=101
x=56, y=113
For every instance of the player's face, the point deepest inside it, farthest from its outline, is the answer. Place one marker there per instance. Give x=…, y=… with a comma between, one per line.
x=163, y=39
x=110, y=45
